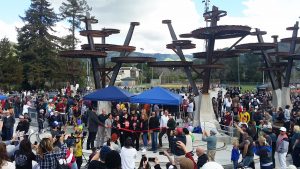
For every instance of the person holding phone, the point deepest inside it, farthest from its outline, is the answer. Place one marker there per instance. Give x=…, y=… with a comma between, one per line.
x=144, y=163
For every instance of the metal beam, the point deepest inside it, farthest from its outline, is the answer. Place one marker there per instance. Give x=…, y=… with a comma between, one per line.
x=209, y=51
x=278, y=73
x=94, y=61
x=267, y=61
x=123, y=54
x=179, y=52
x=292, y=51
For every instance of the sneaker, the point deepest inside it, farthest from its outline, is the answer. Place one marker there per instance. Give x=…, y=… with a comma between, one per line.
x=144, y=150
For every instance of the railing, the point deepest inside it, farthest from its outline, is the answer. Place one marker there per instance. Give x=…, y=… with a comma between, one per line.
x=232, y=131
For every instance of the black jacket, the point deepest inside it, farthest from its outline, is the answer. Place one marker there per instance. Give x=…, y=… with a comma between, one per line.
x=23, y=126
x=93, y=121
x=154, y=123
x=174, y=148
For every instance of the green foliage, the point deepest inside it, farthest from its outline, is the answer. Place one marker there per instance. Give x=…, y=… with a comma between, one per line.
x=11, y=68
x=247, y=70
x=37, y=45
x=72, y=11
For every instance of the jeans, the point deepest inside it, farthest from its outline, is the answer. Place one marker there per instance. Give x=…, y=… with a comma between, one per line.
x=247, y=160
x=145, y=139
x=295, y=156
x=235, y=164
x=154, y=141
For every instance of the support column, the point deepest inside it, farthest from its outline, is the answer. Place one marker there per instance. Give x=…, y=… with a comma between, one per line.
x=179, y=52
x=123, y=54
x=267, y=62
x=94, y=61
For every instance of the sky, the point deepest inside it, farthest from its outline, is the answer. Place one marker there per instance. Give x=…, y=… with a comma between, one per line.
x=273, y=16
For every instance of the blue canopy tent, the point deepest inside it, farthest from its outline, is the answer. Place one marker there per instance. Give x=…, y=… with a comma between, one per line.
x=157, y=95
x=111, y=93
x=3, y=97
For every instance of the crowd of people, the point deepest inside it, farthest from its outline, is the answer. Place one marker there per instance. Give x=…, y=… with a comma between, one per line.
x=114, y=138
x=262, y=129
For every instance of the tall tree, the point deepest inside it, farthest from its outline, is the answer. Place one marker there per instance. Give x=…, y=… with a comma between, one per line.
x=11, y=67
x=37, y=44
x=72, y=11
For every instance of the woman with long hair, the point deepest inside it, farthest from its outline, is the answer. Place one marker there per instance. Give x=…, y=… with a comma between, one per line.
x=24, y=156
x=264, y=151
x=4, y=163
x=144, y=127
x=144, y=164
x=47, y=158
x=128, y=154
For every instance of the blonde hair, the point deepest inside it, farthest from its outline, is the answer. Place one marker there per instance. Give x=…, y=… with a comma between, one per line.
x=297, y=129
x=263, y=140
x=235, y=142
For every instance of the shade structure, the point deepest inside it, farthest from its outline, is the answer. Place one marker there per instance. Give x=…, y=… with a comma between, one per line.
x=3, y=97
x=157, y=95
x=110, y=93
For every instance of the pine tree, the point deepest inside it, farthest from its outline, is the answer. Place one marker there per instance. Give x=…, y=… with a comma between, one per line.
x=11, y=72
x=72, y=11
x=37, y=44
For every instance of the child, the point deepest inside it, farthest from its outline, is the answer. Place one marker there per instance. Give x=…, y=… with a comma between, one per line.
x=235, y=154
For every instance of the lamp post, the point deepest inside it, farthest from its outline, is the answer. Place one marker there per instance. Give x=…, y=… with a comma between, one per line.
x=142, y=50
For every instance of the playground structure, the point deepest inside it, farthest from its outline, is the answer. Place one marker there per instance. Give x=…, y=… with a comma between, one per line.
x=274, y=60
x=97, y=53
x=278, y=64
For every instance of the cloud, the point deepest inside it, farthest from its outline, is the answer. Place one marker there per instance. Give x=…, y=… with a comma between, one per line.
x=9, y=30
x=272, y=16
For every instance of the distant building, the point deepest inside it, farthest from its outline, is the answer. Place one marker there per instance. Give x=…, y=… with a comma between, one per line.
x=128, y=76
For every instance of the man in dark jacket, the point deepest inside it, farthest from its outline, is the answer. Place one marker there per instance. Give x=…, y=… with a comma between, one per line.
x=23, y=125
x=171, y=126
x=154, y=129
x=93, y=123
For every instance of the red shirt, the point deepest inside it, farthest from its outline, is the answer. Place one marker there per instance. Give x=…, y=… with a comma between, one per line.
x=60, y=107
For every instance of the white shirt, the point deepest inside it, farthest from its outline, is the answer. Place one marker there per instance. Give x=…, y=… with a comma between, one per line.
x=25, y=109
x=227, y=102
x=190, y=107
x=164, y=121
x=128, y=158
x=8, y=165
x=189, y=143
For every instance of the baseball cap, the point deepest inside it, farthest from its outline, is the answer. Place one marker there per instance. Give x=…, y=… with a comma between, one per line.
x=282, y=129
x=214, y=131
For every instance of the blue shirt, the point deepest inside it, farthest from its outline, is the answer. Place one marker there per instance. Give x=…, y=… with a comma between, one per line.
x=235, y=154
